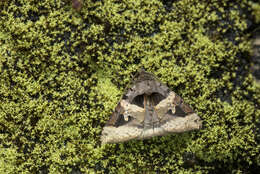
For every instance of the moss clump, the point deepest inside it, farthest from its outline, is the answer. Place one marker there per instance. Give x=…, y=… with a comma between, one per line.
x=64, y=70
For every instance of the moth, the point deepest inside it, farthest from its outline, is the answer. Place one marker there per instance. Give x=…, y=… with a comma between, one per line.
x=147, y=109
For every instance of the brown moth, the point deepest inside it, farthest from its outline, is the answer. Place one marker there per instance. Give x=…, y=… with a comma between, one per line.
x=149, y=108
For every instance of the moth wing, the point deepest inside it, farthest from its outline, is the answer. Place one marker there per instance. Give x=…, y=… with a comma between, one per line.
x=180, y=118
x=120, y=129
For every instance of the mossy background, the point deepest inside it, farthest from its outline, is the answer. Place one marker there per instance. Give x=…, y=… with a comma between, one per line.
x=63, y=71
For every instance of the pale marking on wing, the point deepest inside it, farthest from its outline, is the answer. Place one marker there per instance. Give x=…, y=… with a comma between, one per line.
x=133, y=111
x=165, y=105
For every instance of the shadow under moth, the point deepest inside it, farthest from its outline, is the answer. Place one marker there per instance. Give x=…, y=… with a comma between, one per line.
x=147, y=109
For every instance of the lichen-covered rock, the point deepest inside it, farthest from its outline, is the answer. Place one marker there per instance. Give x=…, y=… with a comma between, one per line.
x=63, y=70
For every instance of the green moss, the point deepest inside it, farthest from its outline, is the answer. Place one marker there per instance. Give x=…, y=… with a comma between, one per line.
x=63, y=72
x=256, y=11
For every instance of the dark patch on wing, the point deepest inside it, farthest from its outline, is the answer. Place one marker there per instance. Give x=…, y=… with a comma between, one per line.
x=139, y=101
x=181, y=107
x=121, y=120
x=187, y=109
x=179, y=112
x=170, y=112
x=114, y=117
x=124, y=97
x=156, y=98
